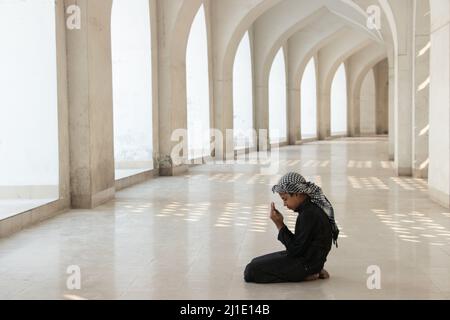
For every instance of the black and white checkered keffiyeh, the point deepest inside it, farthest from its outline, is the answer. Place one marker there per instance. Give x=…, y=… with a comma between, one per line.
x=294, y=183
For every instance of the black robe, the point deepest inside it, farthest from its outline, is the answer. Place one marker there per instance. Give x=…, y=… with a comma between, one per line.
x=306, y=249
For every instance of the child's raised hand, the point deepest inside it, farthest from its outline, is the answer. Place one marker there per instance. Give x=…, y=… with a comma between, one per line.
x=273, y=209
x=275, y=215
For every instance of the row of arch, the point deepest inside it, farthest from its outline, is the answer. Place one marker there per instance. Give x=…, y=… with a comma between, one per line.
x=244, y=53
x=197, y=87
x=224, y=80
x=131, y=47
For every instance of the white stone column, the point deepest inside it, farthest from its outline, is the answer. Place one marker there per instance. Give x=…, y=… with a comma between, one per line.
x=90, y=105
x=293, y=99
x=368, y=105
x=230, y=19
x=222, y=76
x=174, y=21
x=391, y=111
x=323, y=100
x=261, y=97
x=421, y=89
x=353, y=113
x=262, y=114
x=381, y=73
x=404, y=110
x=439, y=143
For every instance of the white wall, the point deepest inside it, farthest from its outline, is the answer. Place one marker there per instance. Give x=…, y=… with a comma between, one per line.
x=132, y=84
x=28, y=99
x=439, y=143
x=243, y=95
x=309, y=101
x=368, y=106
x=277, y=99
x=197, y=86
x=339, y=103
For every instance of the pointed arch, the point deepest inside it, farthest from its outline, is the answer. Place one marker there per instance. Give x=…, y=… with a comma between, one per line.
x=367, y=105
x=132, y=86
x=243, y=95
x=308, y=104
x=339, y=102
x=197, y=88
x=277, y=99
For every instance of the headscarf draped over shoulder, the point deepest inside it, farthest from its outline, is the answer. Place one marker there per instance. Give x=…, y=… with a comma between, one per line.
x=294, y=183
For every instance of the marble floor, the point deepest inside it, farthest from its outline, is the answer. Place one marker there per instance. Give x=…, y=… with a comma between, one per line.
x=190, y=237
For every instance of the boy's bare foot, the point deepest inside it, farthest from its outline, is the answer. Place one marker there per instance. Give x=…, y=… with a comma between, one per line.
x=312, y=277
x=324, y=274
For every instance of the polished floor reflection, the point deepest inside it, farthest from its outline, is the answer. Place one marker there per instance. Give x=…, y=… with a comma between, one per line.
x=190, y=237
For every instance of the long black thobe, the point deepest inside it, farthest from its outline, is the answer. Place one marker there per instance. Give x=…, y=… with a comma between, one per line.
x=306, y=250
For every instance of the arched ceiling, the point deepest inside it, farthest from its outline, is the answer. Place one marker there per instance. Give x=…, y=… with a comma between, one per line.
x=277, y=22
x=290, y=19
x=283, y=18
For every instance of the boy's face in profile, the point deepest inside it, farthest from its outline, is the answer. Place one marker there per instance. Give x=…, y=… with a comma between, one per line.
x=292, y=202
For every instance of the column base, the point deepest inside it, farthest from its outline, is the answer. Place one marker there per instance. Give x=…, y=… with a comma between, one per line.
x=440, y=197
x=93, y=201
x=420, y=173
x=173, y=171
x=404, y=172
